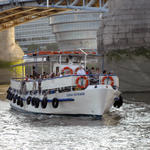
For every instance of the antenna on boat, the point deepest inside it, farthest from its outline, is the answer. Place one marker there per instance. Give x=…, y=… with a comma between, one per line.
x=60, y=59
x=85, y=57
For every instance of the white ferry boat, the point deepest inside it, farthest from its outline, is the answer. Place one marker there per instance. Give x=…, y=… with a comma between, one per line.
x=70, y=93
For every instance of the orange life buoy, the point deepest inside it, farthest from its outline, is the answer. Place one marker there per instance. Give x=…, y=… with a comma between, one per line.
x=67, y=68
x=76, y=70
x=105, y=77
x=86, y=82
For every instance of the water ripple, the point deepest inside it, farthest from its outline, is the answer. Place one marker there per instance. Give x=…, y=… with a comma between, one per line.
x=127, y=128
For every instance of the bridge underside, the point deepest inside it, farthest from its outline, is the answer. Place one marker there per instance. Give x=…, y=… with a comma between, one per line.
x=16, y=12
x=19, y=15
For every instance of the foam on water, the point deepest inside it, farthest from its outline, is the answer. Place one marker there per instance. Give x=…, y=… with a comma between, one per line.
x=126, y=128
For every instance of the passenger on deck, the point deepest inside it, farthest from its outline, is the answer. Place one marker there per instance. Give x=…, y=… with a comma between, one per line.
x=93, y=77
x=97, y=73
x=62, y=74
x=30, y=78
x=27, y=77
x=52, y=75
x=81, y=71
x=110, y=73
x=93, y=70
x=104, y=72
x=35, y=74
x=47, y=76
x=88, y=71
x=58, y=74
x=44, y=73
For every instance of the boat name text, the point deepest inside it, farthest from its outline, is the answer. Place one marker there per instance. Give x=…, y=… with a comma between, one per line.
x=76, y=94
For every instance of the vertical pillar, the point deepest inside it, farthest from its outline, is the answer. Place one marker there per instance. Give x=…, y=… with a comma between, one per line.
x=9, y=50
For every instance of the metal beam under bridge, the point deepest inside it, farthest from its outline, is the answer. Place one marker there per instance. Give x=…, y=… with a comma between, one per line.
x=16, y=12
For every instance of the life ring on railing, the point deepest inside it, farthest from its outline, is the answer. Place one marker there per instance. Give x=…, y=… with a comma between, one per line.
x=106, y=77
x=76, y=70
x=67, y=68
x=86, y=82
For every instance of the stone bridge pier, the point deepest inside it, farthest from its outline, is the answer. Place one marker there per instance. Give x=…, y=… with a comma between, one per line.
x=9, y=52
x=124, y=36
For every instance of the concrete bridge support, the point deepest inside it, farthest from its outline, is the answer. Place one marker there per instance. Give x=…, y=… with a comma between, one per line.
x=9, y=50
x=125, y=34
x=126, y=26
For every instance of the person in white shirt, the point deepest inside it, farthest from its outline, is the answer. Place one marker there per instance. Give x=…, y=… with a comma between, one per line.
x=81, y=71
x=62, y=74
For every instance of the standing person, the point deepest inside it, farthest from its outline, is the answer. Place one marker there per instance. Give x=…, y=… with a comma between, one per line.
x=87, y=70
x=27, y=78
x=35, y=74
x=81, y=71
x=39, y=83
x=93, y=70
x=97, y=73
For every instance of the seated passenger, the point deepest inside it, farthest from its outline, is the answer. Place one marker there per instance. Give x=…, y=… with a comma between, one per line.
x=58, y=74
x=52, y=75
x=47, y=76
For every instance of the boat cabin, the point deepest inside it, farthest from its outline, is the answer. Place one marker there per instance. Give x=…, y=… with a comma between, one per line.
x=58, y=71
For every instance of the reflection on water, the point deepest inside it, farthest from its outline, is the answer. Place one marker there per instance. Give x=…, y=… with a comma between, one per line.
x=120, y=129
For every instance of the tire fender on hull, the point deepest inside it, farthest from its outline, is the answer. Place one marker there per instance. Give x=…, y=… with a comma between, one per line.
x=37, y=102
x=44, y=103
x=118, y=102
x=55, y=103
x=29, y=99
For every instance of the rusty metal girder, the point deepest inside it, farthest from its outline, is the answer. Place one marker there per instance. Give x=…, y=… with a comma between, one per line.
x=22, y=11
x=20, y=15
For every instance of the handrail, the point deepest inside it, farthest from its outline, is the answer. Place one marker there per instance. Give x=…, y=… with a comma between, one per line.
x=89, y=75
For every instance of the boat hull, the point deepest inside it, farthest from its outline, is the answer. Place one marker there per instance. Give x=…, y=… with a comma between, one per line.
x=94, y=100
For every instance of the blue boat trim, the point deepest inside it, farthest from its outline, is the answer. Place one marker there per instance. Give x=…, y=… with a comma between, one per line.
x=61, y=100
